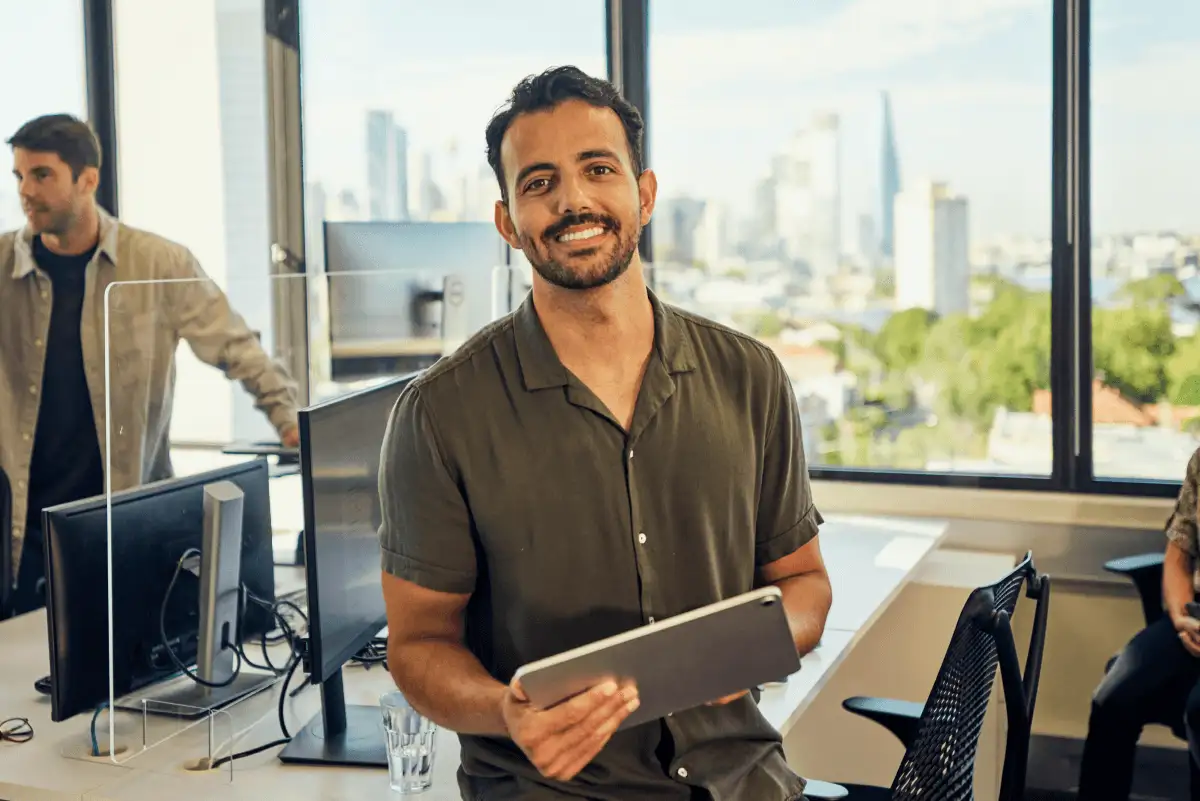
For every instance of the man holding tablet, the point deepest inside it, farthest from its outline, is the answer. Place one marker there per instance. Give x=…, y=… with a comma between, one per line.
x=594, y=462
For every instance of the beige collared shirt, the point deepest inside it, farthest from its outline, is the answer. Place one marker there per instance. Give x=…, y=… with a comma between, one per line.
x=139, y=326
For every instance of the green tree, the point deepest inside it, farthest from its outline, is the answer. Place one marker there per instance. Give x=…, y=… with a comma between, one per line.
x=1158, y=288
x=901, y=341
x=1131, y=347
x=1183, y=372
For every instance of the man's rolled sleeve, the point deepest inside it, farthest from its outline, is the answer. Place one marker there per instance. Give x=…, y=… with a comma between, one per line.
x=426, y=532
x=1181, y=525
x=787, y=518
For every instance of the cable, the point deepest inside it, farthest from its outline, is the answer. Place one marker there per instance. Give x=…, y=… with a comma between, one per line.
x=287, y=735
x=16, y=730
x=162, y=630
x=95, y=717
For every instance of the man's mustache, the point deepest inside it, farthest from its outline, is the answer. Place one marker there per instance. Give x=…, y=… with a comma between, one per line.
x=573, y=220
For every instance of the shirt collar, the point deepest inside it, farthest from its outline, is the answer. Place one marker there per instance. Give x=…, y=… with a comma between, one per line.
x=542, y=369
x=24, y=262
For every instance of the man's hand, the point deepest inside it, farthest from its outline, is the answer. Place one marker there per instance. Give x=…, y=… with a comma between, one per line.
x=728, y=699
x=562, y=740
x=1189, y=633
x=290, y=437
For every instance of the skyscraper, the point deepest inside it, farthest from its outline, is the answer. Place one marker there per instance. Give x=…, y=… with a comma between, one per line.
x=889, y=182
x=932, y=257
x=802, y=199
x=387, y=168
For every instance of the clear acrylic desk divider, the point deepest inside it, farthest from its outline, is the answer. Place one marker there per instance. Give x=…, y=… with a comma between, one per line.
x=174, y=686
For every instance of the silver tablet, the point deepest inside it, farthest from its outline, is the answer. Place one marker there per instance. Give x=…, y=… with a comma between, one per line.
x=678, y=663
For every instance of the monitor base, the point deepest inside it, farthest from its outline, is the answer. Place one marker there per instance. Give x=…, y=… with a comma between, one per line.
x=183, y=698
x=363, y=743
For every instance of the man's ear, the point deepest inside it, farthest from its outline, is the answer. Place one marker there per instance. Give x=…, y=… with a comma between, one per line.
x=89, y=180
x=647, y=194
x=505, y=225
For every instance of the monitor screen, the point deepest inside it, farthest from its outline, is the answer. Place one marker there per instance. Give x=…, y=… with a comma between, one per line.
x=340, y=443
x=152, y=527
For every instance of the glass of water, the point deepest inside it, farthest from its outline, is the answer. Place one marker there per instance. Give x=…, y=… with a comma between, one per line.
x=411, y=741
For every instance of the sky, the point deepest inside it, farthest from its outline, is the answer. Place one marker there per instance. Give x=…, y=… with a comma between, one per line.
x=730, y=82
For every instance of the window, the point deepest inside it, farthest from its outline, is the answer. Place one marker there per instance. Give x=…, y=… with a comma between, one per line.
x=60, y=86
x=1145, y=226
x=193, y=168
x=396, y=96
x=864, y=185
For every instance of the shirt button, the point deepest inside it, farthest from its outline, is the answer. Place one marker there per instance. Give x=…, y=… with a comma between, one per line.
x=21, y=484
x=45, y=294
x=642, y=539
x=681, y=773
x=25, y=436
x=37, y=343
x=631, y=454
x=32, y=389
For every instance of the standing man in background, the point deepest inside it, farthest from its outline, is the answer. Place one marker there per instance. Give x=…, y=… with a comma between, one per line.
x=594, y=462
x=53, y=276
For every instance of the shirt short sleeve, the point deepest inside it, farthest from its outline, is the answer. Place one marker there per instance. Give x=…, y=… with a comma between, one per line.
x=1181, y=525
x=426, y=532
x=787, y=517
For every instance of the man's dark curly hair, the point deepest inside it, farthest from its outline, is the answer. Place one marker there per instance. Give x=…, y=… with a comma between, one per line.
x=554, y=86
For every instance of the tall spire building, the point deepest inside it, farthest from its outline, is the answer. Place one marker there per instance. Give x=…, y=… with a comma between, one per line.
x=889, y=182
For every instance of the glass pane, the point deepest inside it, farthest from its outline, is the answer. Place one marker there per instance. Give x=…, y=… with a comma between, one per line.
x=60, y=86
x=1145, y=238
x=866, y=188
x=397, y=94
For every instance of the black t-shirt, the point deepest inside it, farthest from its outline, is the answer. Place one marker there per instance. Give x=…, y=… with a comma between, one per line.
x=66, y=463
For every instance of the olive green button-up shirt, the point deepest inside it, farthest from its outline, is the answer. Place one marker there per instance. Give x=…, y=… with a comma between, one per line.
x=503, y=476
x=137, y=326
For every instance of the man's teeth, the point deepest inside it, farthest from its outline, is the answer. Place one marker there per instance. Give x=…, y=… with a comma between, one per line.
x=587, y=233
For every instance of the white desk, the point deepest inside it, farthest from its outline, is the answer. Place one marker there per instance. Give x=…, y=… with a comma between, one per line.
x=869, y=561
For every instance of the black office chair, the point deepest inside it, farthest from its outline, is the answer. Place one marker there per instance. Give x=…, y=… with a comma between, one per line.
x=1146, y=572
x=6, y=572
x=941, y=736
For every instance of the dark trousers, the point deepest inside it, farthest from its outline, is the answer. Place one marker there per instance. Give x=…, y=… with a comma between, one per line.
x=29, y=593
x=1154, y=679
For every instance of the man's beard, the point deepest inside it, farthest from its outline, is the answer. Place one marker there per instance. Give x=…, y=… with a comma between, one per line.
x=563, y=276
x=57, y=221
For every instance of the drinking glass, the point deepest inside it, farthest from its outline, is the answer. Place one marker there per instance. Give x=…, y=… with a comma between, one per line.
x=411, y=743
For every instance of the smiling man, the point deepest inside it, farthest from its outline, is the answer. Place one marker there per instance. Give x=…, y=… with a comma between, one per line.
x=53, y=341
x=594, y=462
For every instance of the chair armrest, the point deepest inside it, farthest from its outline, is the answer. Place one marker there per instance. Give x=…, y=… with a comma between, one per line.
x=1145, y=571
x=901, y=718
x=828, y=791
x=1132, y=565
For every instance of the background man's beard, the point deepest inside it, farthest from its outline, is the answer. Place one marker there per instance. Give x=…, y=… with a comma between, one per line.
x=563, y=276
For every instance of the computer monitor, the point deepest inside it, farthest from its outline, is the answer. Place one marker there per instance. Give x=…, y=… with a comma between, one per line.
x=340, y=445
x=152, y=527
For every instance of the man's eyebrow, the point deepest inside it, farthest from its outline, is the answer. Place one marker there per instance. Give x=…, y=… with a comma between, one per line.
x=597, y=154
x=532, y=168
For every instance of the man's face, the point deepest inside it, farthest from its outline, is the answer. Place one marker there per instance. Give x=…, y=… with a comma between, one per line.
x=50, y=195
x=575, y=206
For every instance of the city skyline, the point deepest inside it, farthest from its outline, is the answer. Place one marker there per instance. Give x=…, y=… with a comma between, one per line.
x=986, y=63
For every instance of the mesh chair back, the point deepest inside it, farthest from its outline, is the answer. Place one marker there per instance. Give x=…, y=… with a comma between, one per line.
x=940, y=764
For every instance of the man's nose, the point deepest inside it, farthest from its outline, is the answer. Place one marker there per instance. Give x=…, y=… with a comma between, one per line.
x=573, y=196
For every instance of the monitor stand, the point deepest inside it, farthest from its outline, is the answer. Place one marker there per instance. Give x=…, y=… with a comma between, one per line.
x=345, y=736
x=219, y=612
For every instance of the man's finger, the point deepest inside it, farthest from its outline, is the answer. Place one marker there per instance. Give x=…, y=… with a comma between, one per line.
x=578, y=745
x=574, y=710
x=727, y=699
x=517, y=690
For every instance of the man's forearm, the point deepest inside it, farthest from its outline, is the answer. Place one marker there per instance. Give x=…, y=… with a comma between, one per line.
x=1177, y=581
x=447, y=684
x=806, y=600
